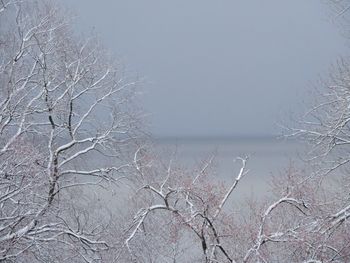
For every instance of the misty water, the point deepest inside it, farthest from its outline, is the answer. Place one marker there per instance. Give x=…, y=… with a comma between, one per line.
x=267, y=157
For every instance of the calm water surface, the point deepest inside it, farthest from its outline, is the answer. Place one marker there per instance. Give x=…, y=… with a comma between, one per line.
x=266, y=157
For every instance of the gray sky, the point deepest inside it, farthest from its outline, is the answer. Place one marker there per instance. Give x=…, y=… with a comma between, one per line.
x=219, y=67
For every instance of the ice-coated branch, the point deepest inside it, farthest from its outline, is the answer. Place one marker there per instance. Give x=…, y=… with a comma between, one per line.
x=241, y=173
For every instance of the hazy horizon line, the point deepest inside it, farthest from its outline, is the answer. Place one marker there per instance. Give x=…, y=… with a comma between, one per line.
x=220, y=137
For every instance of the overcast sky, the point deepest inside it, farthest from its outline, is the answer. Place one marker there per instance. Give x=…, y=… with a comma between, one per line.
x=219, y=67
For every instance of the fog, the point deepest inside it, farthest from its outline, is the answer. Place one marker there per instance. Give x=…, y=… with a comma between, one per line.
x=217, y=68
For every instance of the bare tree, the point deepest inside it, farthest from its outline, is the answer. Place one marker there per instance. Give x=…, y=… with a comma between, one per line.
x=308, y=221
x=178, y=211
x=326, y=127
x=66, y=121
